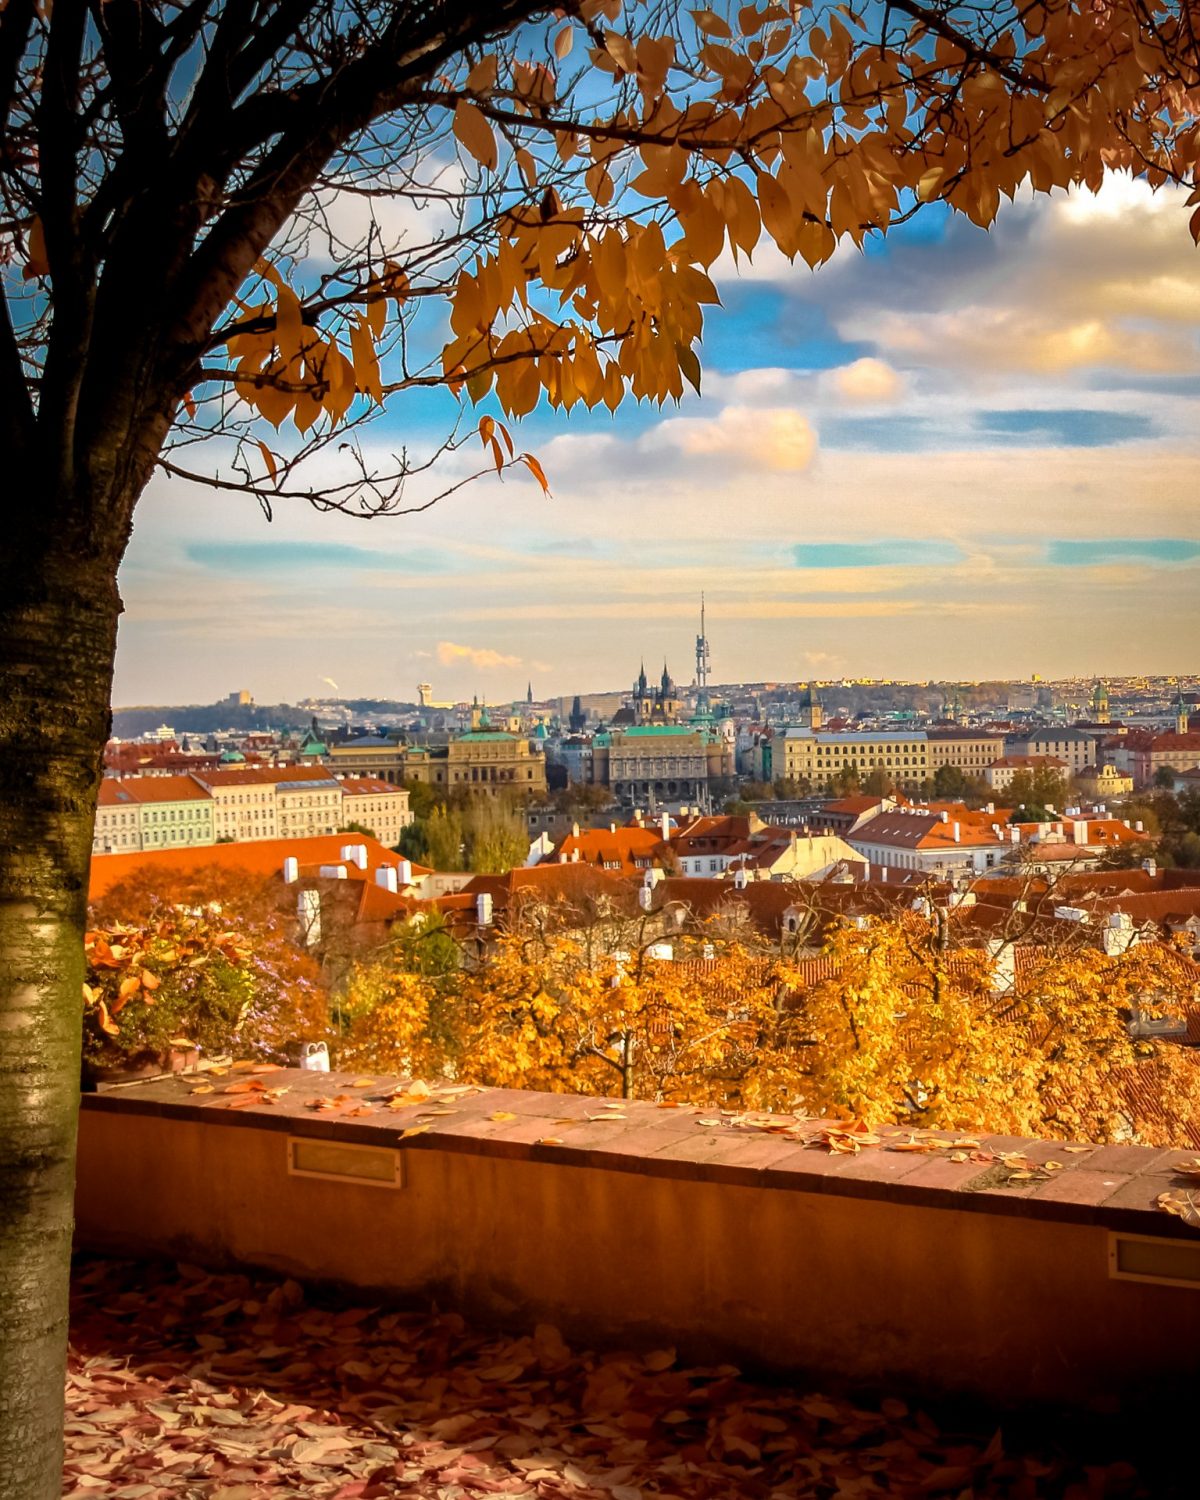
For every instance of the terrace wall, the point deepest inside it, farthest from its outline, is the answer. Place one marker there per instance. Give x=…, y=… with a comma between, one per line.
x=882, y=1269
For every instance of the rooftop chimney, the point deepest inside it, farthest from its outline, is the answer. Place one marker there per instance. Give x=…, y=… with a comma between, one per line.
x=483, y=909
x=665, y=826
x=332, y=872
x=291, y=870
x=403, y=872
x=957, y=834
x=385, y=876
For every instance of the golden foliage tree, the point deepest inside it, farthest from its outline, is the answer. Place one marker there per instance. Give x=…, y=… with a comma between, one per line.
x=177, y=181
x=1031, y=1040
x=557, y=1011
x=210, y=955
x=899, y=1029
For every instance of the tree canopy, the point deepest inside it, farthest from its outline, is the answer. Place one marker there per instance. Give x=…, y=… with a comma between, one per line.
x=887, y=1025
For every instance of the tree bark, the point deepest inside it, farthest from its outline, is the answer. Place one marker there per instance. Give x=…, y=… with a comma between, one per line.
x=58, y=626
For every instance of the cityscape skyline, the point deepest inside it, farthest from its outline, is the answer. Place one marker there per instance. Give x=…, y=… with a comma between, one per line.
x=1085, y=685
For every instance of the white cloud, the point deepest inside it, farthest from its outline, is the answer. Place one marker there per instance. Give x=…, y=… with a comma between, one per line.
x=1069, y=282
x=482, y=658
x=766, y=384
x=866, y=382
x=773, y=437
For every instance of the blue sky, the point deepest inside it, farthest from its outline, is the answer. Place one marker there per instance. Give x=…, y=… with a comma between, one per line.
x=962, y=454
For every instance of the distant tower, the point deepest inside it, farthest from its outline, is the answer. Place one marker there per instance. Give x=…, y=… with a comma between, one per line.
x=643, y=703
x=702, y=661
x=1182, y=714
x=529, y=694
x=423, y=691
x=578, y=717
x=666, y=700
x=1100, y=713
x=811, y=715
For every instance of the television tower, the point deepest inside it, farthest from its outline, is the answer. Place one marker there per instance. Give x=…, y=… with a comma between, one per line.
x=702, y=660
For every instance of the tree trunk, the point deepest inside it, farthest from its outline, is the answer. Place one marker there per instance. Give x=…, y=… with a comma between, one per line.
x=58, y=626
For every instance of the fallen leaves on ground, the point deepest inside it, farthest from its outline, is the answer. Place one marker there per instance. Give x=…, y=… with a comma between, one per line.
x=188, y=1386
x=1185, y=1206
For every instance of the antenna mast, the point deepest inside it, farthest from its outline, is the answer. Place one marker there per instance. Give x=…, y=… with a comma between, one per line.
x=702, y=657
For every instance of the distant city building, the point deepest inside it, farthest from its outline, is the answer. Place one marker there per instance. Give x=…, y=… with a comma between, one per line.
x=371, y=803
x=241, y=804
x=1173, y=750
x=667, y=763
x=492, y=762
x=808, y=755
x=999, y=775
x=1103, y=783
x=966, y=750
x=650, y=705
x=1075, y=747
x=486, y=760
x=151, y=812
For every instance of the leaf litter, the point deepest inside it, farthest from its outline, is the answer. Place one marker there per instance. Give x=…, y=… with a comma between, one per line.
x=185, y=1385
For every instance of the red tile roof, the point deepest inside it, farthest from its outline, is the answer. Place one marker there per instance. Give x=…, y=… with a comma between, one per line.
x=607, y=847
x=143, y=789
x=263, y=775
x=261, y=857
x=368, y=786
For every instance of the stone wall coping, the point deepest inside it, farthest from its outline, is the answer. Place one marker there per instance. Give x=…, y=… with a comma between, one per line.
x=1115, y=1187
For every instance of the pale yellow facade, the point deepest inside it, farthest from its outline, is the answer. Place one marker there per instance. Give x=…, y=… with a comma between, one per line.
x=969, y=753
x=307, y=808
x=244, y=811
x=495, y=763
x=1103, y=782
x=817, y=757
x=377, y=806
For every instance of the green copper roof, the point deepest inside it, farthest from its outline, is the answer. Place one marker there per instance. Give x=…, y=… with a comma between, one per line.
x=475, y=735
x=646, y=731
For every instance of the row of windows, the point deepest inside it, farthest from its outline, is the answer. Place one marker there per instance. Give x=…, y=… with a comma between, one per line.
x=154, y=816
